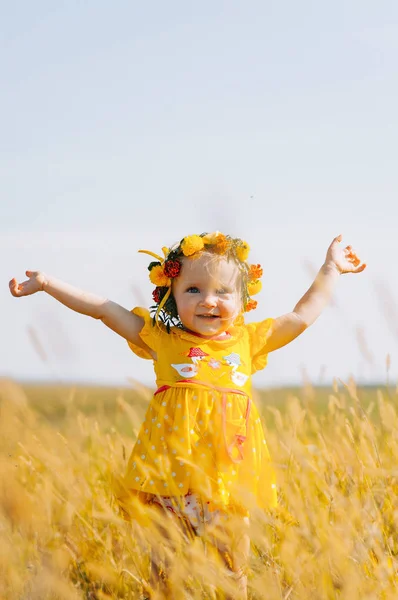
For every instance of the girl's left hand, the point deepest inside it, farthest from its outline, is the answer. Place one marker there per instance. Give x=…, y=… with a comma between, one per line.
x=345, y=260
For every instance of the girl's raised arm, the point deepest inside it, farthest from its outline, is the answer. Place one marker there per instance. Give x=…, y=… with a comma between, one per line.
x=338, y=261
x=114, y=316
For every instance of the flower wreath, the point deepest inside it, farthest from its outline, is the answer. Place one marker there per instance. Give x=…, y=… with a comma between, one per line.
x=164, y=269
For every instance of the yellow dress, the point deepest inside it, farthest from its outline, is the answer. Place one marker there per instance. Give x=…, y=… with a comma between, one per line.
x=202, y=433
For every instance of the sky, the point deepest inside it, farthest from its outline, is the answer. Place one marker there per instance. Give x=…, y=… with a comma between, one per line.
x=128, y=125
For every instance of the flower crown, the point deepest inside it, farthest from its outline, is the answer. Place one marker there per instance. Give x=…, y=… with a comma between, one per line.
x=164, y=269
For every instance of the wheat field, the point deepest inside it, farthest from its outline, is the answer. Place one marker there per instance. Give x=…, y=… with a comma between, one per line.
x=334, y=534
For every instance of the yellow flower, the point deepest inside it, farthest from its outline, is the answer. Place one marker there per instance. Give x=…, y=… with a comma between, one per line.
x=192, y=244
x=254, y=287
x=242, y=251
x=158, y=278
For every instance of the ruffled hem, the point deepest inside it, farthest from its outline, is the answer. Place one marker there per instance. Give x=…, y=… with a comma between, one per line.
x=258, y=335
x=149, y=334
x=197, y=510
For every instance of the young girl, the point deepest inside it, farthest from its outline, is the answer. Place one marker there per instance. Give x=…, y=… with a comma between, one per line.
x=201, y=455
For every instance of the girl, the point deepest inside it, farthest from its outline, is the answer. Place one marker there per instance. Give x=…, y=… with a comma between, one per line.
x=201, y=455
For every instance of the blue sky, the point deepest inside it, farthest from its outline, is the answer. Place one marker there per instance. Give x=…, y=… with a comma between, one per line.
x=129, y=125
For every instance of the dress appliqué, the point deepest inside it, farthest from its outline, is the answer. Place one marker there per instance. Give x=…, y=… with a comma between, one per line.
x=196, y=354
x=214, y=364
x=186, y=370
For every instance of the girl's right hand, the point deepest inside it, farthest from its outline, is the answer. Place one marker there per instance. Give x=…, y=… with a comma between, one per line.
x=119, y=319
x=30, y=286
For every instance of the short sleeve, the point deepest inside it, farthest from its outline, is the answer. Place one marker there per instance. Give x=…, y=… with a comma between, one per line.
x=258, y=336
x=150, y=335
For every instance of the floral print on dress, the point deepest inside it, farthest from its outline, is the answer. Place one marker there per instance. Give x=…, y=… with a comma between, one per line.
x=197, y=355
x=214, y=364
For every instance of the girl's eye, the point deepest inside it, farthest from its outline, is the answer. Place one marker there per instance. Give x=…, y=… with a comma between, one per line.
x=193, y=290
x=222, y=291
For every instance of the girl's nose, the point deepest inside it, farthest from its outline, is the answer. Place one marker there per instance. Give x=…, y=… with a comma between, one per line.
x=208, y=301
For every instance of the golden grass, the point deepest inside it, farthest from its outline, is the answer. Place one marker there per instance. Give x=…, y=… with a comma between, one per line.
x=334, y=535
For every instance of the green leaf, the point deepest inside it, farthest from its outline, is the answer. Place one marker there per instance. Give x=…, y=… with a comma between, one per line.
x=153, y=264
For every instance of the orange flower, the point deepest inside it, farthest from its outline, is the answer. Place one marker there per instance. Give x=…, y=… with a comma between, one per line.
x=251, y=305
x=218, y=241
x=223, y=244
x=255, y=272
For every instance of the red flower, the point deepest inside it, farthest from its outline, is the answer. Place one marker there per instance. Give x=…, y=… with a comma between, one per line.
x=172, y=268
x=157, y=294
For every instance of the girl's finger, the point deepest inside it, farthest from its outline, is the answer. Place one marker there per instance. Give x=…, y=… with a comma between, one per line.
x=335, y=242
x=359, y=269
x=14, y=287
x=352, y=256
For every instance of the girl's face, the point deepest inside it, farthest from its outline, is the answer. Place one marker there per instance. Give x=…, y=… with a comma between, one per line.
x=207, y=294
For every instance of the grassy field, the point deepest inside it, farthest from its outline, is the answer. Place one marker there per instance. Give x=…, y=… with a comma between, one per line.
x=334, y=534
